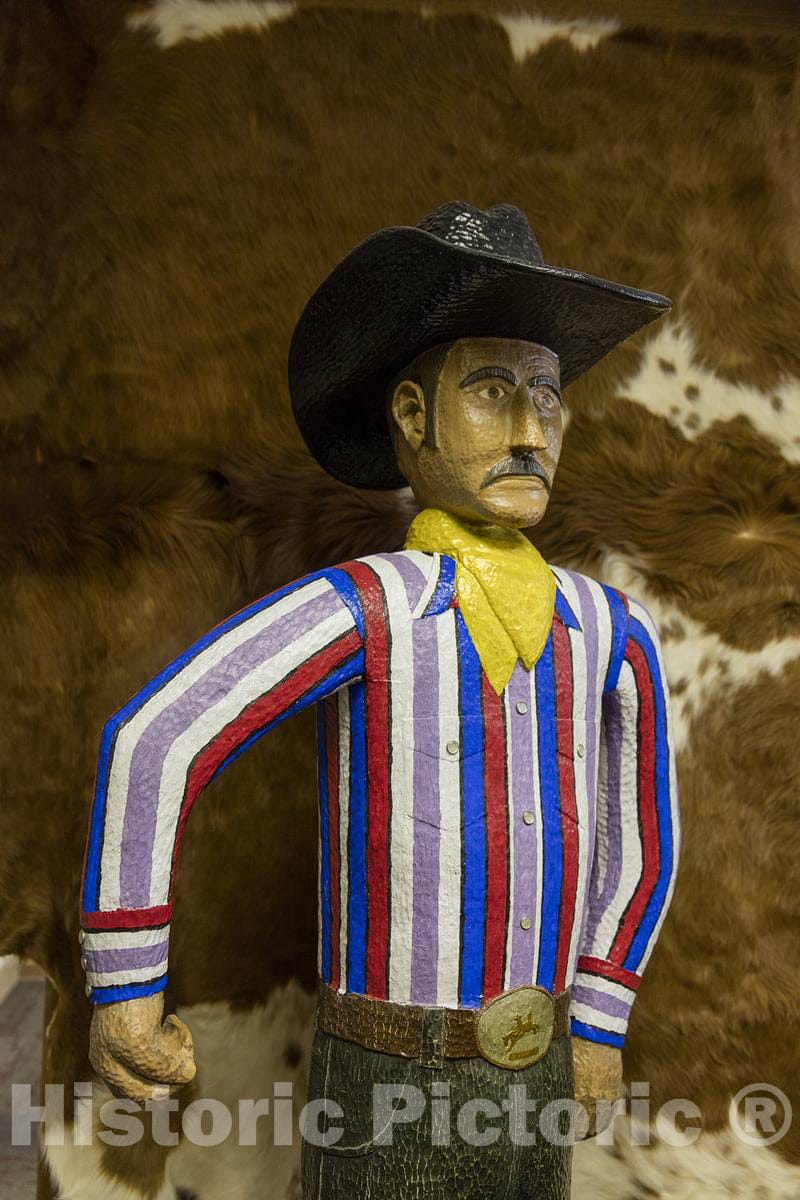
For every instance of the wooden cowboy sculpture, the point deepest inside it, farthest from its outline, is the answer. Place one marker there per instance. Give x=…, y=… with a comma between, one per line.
x=498, y=815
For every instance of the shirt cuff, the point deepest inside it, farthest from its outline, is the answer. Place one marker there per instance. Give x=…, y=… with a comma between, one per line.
x=124, y=964
x=602, y=997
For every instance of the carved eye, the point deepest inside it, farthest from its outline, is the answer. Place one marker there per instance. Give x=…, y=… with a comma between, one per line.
x=548, y=400
x=494, y=391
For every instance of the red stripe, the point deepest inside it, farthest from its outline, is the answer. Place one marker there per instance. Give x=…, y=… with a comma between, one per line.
x=124, y=919
x=598, y=966
x=494, y=791
x=648, y=816
x=624, y=599
x=258, y=714
x=562, y=663
x=332, y=754
x=376, y=671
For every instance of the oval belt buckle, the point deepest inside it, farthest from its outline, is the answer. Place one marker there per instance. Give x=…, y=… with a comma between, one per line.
x=516, y=1028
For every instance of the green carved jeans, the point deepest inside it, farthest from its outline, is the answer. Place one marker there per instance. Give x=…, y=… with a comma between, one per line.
x=407, y=1135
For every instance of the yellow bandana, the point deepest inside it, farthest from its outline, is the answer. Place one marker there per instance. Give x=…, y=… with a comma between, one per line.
x=506, y=591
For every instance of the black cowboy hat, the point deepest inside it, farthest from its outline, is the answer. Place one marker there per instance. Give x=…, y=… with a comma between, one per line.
x=460, y=272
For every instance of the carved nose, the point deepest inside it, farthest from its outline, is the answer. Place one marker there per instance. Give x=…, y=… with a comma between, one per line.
x=527, y=434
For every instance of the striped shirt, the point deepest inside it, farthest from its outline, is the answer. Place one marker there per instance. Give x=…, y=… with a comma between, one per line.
x=469, y=842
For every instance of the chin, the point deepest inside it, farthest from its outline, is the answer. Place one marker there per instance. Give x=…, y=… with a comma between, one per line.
x=515, y=516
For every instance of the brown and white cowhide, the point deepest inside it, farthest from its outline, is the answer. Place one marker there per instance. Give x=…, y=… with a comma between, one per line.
x=180, y=174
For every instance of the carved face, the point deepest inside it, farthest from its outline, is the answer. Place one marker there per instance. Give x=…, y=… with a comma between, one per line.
x=489, y=449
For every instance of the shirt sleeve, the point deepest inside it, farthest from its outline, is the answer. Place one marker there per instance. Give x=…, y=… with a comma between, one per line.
x=172, y=738
x=637, y=840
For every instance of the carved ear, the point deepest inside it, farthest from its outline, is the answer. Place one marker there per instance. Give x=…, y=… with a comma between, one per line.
x=408, y=412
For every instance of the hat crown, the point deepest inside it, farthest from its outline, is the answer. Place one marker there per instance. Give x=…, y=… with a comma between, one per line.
x=501, y=230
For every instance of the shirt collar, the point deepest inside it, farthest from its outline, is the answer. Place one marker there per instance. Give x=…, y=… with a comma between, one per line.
x=564, y=610
x=442, y=595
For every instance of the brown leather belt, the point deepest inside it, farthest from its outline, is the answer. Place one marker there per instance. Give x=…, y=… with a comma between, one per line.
x=513, y=1030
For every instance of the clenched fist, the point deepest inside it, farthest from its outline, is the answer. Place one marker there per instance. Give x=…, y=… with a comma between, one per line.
x=598, y=1077
x=137, y=1054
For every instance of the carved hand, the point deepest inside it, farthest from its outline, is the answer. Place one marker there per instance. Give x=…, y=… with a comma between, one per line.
x=598, y=1076
x=136, y=1054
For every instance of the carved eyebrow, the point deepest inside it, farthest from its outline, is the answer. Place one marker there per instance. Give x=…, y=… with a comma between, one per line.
x=490, y=373
x=544, y=380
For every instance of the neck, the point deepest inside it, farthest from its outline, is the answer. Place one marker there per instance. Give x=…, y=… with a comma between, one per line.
x=477, y=526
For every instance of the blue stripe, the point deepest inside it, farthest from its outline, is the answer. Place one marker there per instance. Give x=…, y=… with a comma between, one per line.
x=357, y=845
x=474, y=817
x=619, y=636
x=564, y=610
x=664, y=815
x=592, y=1034
x=445, y=586
x=348, y=592
x=325, y=865
x=552, y=851
x=127, y=991
x=114, y=724
x=91, y=882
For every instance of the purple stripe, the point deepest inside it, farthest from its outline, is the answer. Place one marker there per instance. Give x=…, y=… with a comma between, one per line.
x=414, y=578
x=343, y=722
x=127, y=959
x=425, y=915
x=610, y=1005
x=525, y=899
x=588, y=620
x=147, y=761
x=612, y=716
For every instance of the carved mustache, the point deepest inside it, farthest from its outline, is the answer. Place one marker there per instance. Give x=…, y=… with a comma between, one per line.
x=517, y=464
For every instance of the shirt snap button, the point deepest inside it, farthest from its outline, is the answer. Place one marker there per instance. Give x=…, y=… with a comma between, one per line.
x=526, y=923
x=452, y=747
x=522, y=707
x=527, y=817
x=580, y=751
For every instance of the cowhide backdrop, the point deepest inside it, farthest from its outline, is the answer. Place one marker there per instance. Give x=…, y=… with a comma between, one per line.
x=177, y=177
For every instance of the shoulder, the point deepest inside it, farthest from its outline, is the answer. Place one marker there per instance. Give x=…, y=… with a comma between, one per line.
x=587, y=591
x=405, y=579
x=592, y=600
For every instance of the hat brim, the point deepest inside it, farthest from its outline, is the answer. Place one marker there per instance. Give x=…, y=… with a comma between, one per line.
x=404, y=290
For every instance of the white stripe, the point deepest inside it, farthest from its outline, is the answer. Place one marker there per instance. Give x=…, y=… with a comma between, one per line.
x=433, y=565
x=450, y=801
x=127, y=940
x=585, y=767
x=641, y=613
x=599, y=860
x=209, y=724
x=602, y=617
x=136, y=975
x=631, y=850
x=536, y=804
x=532, y=836
x=584, y=835
x=344, y=830
x=601, y=1020
x=401, y=832
x=511, y=818
x=605, y=637
x=428, y=567
x=638, y=612
x=609, y=987
x=130, y=734
x=322, y=816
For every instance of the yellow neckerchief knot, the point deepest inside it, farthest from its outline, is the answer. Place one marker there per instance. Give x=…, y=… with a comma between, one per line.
x=506, y=591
